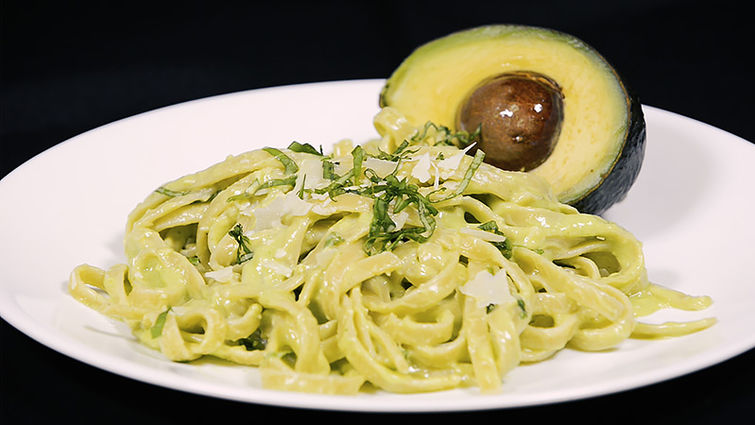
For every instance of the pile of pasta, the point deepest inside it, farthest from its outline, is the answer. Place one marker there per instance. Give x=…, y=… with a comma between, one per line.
x=405, y=264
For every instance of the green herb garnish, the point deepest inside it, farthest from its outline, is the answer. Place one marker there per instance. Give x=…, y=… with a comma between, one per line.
x=505, y=247
x=243, y=252
x=300, y=194
x=288, y=163
x=333, y=240
x=520, y=303
x=287, y=181
x=167, y=192
x=253, y=342
x=157, y=328
x=358, y=154
x=328, y=170
x=476, y=162
x=383, y=235
x=445, y=137
x=256, y=186
x=305, y=148
x=398, y=154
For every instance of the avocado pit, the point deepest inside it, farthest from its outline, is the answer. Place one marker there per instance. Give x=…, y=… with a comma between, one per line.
x=520, y=115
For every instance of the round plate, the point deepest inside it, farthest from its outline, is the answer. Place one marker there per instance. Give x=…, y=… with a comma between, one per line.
x=691, y=207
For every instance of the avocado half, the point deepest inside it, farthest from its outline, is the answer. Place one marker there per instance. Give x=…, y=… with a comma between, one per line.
x=599, y=150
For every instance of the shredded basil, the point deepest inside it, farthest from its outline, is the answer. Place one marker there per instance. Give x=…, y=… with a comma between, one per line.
x=476, y=162
x=505, y=247
x=243, y=251
x=157, y=328
x=383, y=235
x=328, y=170
x=358, y=155
x=397, y=154
x=287, y=181
x=304, y=148
x=333, y=239
x=256, y=187
x=445, y=137
x=288, y=163
x=253, y=342
x=390, y=194
x=300, y=194
x=167, y=192
x=520, y=303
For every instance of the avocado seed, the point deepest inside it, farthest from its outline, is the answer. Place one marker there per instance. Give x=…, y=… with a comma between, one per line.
x=520, y=114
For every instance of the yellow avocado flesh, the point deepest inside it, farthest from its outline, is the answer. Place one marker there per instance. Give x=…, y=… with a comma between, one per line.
x=433, y=81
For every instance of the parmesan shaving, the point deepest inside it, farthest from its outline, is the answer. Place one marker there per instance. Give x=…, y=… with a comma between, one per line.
x=449, y=165
x=381, y=167
x=421, y=170
x=487, y=289
x=269, y=216
x=221, y=275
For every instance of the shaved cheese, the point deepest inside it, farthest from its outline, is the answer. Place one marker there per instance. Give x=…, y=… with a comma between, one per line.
x=279, y=268
x=488, y=289
x=421, y=170
x=342, y=167
x=381, y=167
x=449, y=165
x=269, y=216
x=399, y=219
x=221, y=275
x=482, y=234
x=325, y=207
x=436, y=183
x=311, y=169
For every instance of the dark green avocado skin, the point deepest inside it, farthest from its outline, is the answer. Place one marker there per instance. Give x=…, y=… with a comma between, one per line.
x=615, y=186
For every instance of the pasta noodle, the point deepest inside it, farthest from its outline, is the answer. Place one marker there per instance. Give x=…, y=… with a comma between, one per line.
x=404, y=264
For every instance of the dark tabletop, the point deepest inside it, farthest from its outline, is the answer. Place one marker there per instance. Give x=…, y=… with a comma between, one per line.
x=65, y=69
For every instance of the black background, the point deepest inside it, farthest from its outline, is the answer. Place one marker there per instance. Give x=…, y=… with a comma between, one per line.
x=67, y=67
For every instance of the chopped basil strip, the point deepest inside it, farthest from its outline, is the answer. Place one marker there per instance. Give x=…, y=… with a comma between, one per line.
x=328, y=170
x=445, y=137
x=288, y=163
x=288, y=181
x=358, y=155
x=333, y=240
x=476, y=162
x=520, y=303
x=256, y=187
x=300, y=194
x=253, y=342
x=383, y=234
x=304, y=148
x=505, y=247
x=157, y=328
x=398, y=154
x=167, y=192
x=243, y=252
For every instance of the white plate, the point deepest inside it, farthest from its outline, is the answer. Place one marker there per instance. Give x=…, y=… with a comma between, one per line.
x=691, y=206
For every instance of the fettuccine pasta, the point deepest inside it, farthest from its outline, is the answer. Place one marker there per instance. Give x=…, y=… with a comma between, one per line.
x=404, y=264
